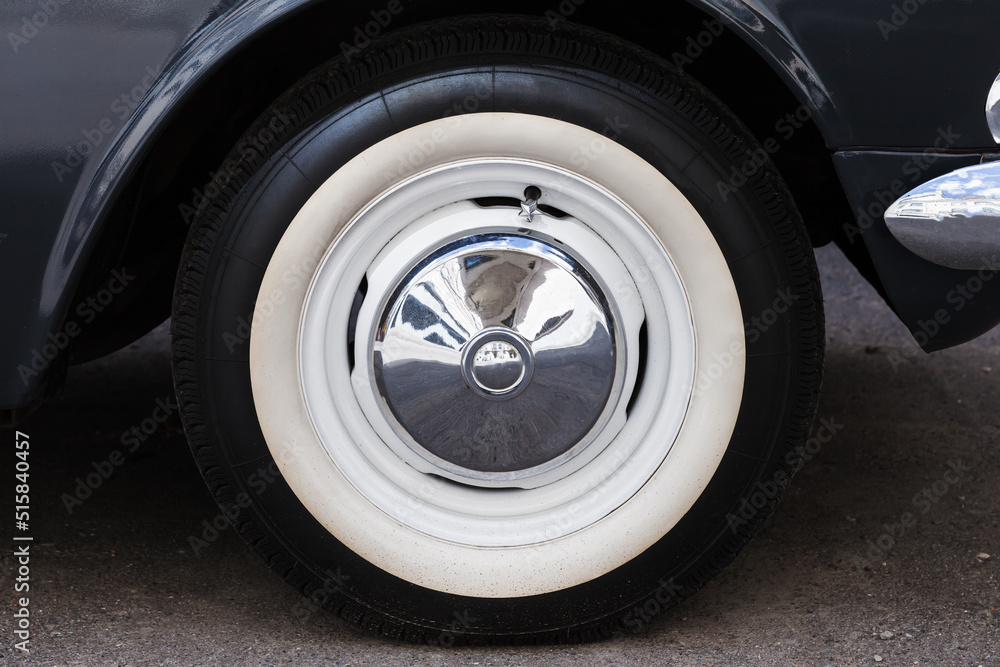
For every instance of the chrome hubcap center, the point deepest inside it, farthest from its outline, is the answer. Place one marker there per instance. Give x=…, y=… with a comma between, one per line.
x=497, y=363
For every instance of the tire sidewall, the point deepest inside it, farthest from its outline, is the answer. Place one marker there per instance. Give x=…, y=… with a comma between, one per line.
x=262, y=207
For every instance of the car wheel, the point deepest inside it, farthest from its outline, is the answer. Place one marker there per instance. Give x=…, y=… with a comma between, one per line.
x=478, y=340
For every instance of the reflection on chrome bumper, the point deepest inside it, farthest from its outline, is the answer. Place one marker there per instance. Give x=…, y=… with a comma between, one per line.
x=953, y=220
x=993, y=109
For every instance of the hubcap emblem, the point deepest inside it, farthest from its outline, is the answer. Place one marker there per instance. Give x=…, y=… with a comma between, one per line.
x=497, y=363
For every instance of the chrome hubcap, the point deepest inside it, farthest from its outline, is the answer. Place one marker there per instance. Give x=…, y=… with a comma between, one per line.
x=497, y=355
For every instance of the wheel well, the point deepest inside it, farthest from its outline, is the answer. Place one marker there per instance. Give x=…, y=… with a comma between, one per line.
x=147, y=225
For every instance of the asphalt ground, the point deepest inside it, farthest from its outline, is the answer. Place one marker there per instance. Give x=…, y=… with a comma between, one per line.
x=885, y=550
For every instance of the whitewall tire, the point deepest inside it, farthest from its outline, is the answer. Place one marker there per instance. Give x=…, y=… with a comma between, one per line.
x=494, y=363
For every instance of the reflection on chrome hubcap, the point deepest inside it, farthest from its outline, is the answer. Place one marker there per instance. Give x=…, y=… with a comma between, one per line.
x=498, y=354
x=497, y=363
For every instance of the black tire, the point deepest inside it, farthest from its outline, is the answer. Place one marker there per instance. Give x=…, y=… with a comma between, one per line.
x=581, y=77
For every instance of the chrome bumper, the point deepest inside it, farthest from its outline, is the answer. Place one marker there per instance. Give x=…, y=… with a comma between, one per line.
x=952, y=220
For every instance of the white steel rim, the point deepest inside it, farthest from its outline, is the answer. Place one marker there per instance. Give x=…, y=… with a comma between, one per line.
x=344, y=457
